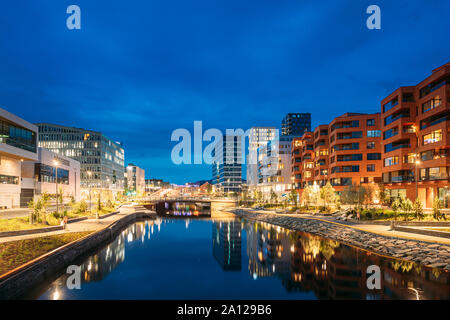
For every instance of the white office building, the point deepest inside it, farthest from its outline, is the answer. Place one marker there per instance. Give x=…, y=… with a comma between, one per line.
x=18, y=143
x=40, y=176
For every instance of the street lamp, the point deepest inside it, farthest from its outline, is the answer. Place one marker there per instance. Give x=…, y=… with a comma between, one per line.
x=56, y=163
x=89, y=173
x=417, y=163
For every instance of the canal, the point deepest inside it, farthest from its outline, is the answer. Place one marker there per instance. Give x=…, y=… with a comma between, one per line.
x=185, y=258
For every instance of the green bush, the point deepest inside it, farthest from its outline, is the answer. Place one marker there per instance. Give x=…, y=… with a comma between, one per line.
x=80, y=207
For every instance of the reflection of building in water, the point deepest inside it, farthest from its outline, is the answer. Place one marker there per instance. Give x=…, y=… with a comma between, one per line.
x=407, y=280
x=335, y=271
x=267, y=250
x=227, y=245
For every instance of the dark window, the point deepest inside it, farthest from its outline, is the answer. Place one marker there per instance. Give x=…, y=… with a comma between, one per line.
x=370, y=122
x=408, y=97
x=5, y=179
x=395, y=116
x=397, y=145
x=370, y=168
x=16, y=136
x=374, y=156
x=390, y=104
x=349, y=157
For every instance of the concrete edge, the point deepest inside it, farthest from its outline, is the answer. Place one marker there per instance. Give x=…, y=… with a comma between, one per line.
x=433, y=233
x=17, y=282
x=108, y=215
x=30, y=231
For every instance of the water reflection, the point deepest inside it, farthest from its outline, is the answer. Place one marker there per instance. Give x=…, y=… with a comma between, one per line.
x=183, y=209
x=299, y=264
x=226, y=238
x=305, y=262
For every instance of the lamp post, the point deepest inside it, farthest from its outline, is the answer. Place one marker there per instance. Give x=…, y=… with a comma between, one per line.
x=89, y=173
x=56, y=163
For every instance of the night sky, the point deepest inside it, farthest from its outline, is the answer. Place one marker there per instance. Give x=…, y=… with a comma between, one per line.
x=137, y=70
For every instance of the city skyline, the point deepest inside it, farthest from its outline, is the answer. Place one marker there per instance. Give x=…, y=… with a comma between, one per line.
x=180, y=65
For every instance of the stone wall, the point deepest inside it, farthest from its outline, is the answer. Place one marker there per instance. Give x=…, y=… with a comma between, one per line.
x=430, y=254
x=35, y=272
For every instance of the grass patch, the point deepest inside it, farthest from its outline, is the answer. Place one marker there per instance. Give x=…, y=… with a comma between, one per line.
x=16, y=253
x=22, y=223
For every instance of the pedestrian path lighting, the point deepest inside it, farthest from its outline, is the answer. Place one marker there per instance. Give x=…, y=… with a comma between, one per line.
x=56, y=164
x=89, y=173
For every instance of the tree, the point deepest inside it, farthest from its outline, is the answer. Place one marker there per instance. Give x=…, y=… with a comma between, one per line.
x=45, y=198
x=293, y=196
x=437, y=208
x=36, y=207
x=311, y=195
x=350, y=195
x=273, y=196
x=396, y=205
x=418, y=209
x=407, y=207
x=383, y=195
x=328, y=194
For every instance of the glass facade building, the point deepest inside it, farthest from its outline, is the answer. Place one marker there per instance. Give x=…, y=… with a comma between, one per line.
x=101, y=159
x=227, y=164
x=296, y=124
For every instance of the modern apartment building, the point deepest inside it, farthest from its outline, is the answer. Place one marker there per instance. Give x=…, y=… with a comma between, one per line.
x=274, y=167
x=101, y=159
x=346, y=151
x=18, y=143
x=258, y=136
x=355, y=150
x=227, y=164
x=135, y=179
x=40, y=176
x=302, y=161
x=416, y=139
x=296, y=124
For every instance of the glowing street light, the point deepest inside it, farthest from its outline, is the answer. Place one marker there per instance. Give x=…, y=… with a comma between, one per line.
x=89, y=173
x=56, y=163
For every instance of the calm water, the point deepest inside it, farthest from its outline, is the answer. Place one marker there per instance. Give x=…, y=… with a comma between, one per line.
x=236, y=259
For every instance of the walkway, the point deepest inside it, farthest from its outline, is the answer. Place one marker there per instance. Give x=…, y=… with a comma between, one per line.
x=373, y=228
x=80, y=226
x=13, y=213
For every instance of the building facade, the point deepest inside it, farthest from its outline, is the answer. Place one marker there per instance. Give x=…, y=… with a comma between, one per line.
x=296, y=124
x=274, y=168
x=355, y=150
x=40, y=176
x=227, y=164
x=135, y=179
x=345, y=152
x=18, y=143
x=258, y=136
x=416, y=140
x=101, y=159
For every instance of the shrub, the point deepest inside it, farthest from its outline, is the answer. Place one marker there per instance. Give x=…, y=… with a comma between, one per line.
x=80, y=207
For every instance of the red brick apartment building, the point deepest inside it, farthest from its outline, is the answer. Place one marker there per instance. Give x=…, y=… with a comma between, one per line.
x=416, y=139
x=346, y=151
x=303, y=161
x=355, y=150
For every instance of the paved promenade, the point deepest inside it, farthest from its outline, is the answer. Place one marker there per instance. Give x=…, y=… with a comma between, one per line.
x=80, y=226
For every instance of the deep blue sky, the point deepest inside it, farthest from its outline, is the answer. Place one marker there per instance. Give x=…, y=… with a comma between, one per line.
x=137, y=70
